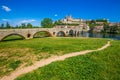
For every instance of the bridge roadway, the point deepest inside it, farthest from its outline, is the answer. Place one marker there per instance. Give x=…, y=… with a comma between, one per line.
x=29, y=33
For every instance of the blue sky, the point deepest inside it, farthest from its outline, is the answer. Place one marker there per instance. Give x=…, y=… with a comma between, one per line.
x=33, y=11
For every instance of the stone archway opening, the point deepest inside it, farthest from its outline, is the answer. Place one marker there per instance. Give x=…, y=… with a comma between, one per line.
x=13, y=36
x=28, y=35
x=60, y=34
x=54, y=33
x=71, y=33
x=42, y=34
x=78, y=34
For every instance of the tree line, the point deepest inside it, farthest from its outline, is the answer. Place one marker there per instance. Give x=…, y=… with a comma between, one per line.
x=45, y=23
x=115, y=29
x=23, y=25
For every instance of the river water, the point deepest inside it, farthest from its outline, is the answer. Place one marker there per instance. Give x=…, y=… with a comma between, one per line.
x=100, y=35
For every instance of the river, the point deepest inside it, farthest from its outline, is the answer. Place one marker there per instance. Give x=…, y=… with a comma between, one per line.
x=100, y=35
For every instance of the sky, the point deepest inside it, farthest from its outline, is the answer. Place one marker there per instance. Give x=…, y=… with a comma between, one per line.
x=33, y=11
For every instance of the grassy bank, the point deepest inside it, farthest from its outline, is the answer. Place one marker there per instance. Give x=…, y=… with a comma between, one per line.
x=102, y=65
x=12, y=37
x=14, y=54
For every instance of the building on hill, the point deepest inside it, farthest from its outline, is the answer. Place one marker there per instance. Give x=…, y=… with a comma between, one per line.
x=70, y=20
x=98, y=28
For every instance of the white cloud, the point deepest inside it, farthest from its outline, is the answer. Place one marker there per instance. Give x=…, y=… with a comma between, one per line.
x=5, y=20
x=7, y=9
x=27, y=21
x=55, y=15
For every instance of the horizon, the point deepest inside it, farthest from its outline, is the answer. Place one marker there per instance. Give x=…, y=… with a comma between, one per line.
x=31, y=11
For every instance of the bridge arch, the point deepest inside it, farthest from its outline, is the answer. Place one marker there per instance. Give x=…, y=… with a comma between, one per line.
x=12, y=34
x=61, y=34
x=71, y=33
x=42, y=34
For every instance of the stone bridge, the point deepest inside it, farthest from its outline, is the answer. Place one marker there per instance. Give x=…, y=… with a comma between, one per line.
x=29, y=33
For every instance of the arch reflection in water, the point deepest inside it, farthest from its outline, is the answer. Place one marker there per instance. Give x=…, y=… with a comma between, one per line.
x=99, y=35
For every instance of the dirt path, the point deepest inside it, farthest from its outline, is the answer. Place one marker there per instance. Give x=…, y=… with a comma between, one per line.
x=44, y=62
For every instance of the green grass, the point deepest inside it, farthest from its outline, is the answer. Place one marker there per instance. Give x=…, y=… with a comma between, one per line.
x=42, y=34
x=55, y=45
x=13, y=37
x=14, y=64
x=101, y=65
x=26, y=52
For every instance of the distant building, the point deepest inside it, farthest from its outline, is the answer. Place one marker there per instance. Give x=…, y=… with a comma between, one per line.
x=84, y=26
x=112, y=24
x=118, y=24
x=70, y=20
x=98, y=28
x=100, y=23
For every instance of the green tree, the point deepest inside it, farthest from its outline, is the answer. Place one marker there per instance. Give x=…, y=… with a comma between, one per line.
x=16, y=26
x=92, y=22
x=29, y=25
x=2, y=26
x=8, y=25
x=106, y=29
x=23, y=25
x=58, y=22
x=47, y=23
x=111, y=29
x=102, y=20
x=114, y=29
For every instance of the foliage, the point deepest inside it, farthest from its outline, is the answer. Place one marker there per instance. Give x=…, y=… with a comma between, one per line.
x=8, y=25
x=100, y=65
x=2, y=26
x=92, y=22
x=58, y=23
x=111, y=29
x=29, y=25
x=47, y=23
x=42, y=34
x=102, y=20
x=14, y=64
x=23, y=25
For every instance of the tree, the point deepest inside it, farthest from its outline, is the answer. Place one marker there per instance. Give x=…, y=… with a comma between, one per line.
x=111, y=29
x=23, y=25
x=58, y=22
x=92, y=22
x=16, y=26
x=29, y=25
x=2, y=26
x=8, y=25
x=102, y=20
x=47, y=23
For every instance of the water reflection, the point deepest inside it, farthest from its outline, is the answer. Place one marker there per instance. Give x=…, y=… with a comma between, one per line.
x=99, y=35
